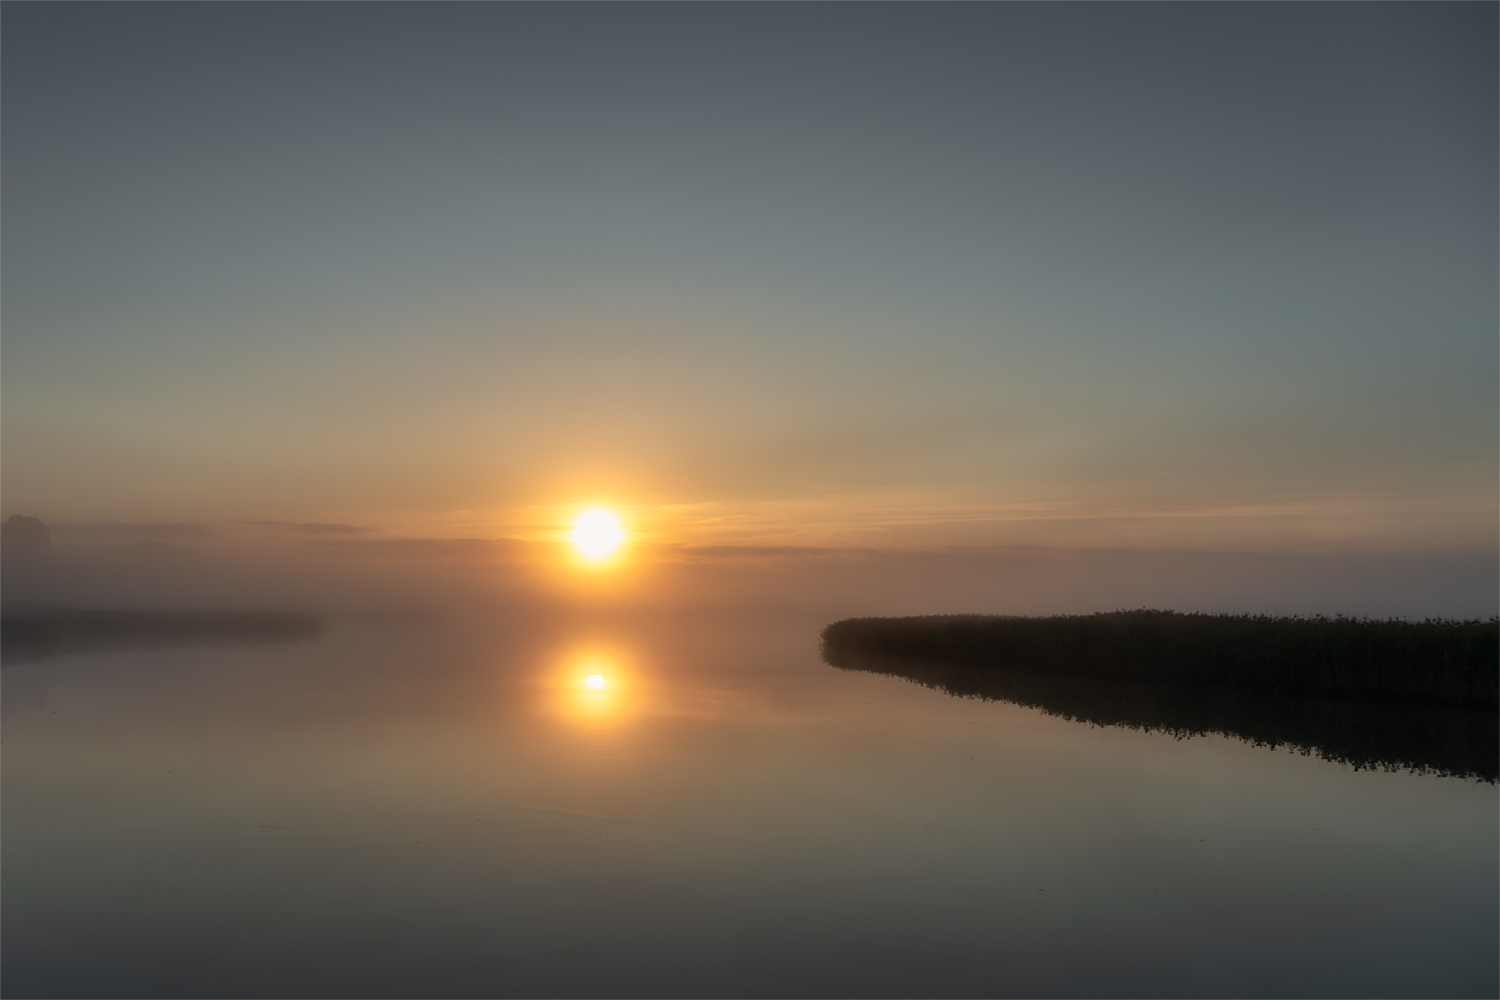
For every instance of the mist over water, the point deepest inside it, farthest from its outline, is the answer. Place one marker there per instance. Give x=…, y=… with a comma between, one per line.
x=342, y=569
x=447, y=809
x=467, y=768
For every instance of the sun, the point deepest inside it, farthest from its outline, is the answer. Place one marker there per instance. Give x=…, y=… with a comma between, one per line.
x=596, y=534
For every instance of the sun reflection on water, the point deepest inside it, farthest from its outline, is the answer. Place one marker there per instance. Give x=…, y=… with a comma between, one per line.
x=594, y=687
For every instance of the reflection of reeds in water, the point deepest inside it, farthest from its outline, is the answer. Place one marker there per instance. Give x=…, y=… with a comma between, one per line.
x=1243, y=692
x=1435, y=739
x=34, y=636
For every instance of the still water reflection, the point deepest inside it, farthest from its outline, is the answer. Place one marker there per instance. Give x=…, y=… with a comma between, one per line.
x=1460, y=742
x=455, y=811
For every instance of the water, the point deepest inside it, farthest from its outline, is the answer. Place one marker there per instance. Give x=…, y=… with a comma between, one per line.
x=447, y=810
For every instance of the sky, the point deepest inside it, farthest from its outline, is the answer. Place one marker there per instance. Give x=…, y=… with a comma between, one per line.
x=1181, y=278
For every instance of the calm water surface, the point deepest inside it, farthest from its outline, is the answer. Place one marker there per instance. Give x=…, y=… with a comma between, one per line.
x=450, y=811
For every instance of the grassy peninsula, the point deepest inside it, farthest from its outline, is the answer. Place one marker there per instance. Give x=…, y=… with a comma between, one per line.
x=1436, y=662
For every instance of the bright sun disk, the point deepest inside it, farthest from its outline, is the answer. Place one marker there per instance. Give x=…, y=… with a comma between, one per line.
x=595, y=681
x=596, y=534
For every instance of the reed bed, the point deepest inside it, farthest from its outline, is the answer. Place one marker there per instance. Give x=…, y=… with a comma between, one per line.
x=1436, y=661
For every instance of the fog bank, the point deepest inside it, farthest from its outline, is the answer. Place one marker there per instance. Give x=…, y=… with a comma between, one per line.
x=339, y=572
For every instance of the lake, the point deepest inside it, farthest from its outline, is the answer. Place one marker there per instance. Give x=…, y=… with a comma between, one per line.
x=447, y=809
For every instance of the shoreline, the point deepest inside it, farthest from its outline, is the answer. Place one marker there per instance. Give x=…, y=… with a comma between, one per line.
x=1436, y=662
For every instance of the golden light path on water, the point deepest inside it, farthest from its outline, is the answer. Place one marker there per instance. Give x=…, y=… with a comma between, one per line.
x=594, y=684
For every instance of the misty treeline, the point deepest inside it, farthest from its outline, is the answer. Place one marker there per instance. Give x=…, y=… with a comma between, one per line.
x=243, y=565
x=35, y=624
x=1436, y=661
x=33, y=634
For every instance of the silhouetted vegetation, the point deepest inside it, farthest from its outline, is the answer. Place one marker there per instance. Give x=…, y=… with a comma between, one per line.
x=1433, y=661
x=1162, y=676
x=33, y=635
x=22, y=532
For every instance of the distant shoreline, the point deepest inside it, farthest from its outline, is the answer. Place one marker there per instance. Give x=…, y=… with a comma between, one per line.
x=1438, y=662
x=28, y=635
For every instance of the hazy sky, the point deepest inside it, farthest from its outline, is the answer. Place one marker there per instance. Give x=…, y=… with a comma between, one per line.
x=1208, y=276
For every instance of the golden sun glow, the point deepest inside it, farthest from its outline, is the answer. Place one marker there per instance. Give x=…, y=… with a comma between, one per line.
x=596, y=534
x=593, y=686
